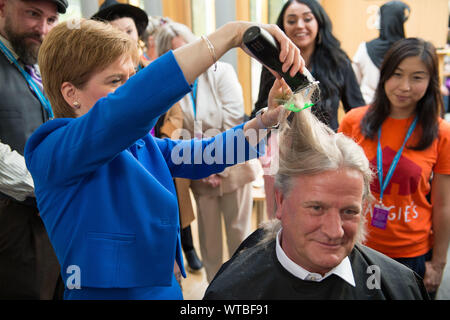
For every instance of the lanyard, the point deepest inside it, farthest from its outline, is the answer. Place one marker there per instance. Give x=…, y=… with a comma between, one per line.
x=193, y=96
x=44, y=102
x=383, y=185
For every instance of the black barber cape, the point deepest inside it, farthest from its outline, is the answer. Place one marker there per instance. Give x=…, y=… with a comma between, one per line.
x=254, y=273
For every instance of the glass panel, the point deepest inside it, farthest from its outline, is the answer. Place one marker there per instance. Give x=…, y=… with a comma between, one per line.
x=73, y=12
x=137, y=3
x=256, y=12
x=203, y=16
x=274, y=9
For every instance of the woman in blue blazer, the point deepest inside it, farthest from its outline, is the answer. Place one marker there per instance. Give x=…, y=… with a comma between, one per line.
x=103, y=184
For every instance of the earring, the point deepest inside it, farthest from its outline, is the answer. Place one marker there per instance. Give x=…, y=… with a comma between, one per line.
x=76, y=105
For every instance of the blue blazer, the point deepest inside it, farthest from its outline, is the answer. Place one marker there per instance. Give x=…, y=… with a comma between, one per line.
x=104, y=185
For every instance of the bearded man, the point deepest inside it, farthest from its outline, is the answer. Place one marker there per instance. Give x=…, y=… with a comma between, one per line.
x=28, y=265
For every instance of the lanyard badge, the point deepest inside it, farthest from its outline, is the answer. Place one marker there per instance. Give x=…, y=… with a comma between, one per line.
x=380, y=212
x=380, y=216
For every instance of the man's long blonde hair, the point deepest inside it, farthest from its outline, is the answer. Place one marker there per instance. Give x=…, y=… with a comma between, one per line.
x=307, y=146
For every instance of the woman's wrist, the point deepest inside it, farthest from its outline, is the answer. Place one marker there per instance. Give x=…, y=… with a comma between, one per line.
x=264, y=120
x=259, y=119
x=224, y=38
x=237, y=30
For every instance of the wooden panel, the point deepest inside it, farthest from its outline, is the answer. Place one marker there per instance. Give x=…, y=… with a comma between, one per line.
x=265, y=11
x=178, y=10
x=441, y=53
x=353, y=21
x=243, y=60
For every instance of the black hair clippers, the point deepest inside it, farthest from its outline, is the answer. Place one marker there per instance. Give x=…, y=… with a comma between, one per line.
x=266, y=49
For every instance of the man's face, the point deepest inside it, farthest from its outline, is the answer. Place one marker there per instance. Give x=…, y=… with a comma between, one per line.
x=321, y=218
x=25, y=24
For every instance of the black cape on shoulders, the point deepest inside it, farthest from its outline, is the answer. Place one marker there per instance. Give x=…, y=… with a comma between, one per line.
x=254, y=273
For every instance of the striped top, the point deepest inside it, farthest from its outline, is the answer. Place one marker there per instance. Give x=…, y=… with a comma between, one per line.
x=15, y=180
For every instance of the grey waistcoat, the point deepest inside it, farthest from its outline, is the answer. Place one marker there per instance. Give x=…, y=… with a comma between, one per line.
x=20, y=110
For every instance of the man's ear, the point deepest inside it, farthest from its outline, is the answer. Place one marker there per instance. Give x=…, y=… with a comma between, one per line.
x=69, y=93
x=279, y=199
x=2, y=8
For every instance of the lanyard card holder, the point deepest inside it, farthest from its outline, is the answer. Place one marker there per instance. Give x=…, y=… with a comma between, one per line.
x=380, y=216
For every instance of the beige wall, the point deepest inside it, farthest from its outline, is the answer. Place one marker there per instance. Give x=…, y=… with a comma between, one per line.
x=353, y=21
x=178, y=10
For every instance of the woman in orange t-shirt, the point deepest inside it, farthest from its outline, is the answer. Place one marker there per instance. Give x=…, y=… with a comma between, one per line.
x=408, y=144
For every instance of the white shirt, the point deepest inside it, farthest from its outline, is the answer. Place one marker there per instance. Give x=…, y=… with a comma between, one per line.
x=15, y=180
x=366, y=73
x=343, y=270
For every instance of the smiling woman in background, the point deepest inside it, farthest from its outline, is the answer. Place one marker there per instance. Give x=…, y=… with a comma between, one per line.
x=409, y=144
x=307, y=24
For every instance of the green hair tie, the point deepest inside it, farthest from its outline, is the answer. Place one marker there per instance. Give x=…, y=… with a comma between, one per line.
x=293, y=108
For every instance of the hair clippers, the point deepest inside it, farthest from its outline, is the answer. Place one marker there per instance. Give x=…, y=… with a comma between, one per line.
x=266, y=49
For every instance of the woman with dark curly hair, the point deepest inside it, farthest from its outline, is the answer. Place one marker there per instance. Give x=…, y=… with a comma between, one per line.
x=307, y=24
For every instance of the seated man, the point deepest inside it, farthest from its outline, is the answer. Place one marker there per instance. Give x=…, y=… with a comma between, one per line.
x=314, y=250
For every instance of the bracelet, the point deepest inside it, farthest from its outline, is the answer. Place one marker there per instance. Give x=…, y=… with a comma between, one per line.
x=258, y=117
x=211, y=50
x=261, y=125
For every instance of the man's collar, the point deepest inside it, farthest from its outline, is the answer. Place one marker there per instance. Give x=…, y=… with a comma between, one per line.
x=343, y=270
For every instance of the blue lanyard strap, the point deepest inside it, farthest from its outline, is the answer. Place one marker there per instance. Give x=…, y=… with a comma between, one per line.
x=383, y=185
x=43, y=100
x=193, y=96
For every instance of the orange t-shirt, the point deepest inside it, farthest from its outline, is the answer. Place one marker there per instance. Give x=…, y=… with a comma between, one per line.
x=408, y=230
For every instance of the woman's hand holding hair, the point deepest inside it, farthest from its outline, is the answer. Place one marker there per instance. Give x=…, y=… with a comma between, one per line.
x=271, y=115
x=279, y=91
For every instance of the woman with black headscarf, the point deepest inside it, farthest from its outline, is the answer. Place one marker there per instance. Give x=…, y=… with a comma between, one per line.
x=368, y=57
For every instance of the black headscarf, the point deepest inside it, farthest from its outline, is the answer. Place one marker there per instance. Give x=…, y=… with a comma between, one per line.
x=392, y=18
